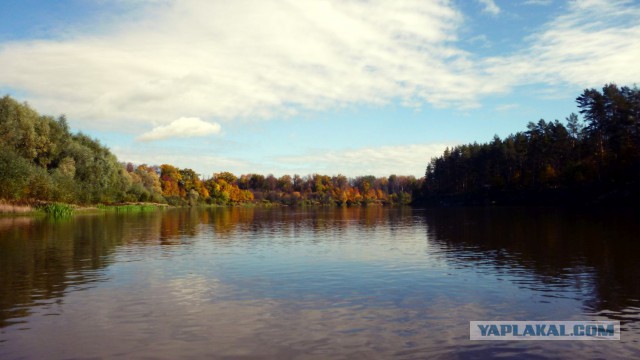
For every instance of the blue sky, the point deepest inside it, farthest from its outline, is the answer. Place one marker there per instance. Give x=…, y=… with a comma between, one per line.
x=353, y=87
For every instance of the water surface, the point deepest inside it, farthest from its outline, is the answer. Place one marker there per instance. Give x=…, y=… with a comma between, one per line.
x=314, y=283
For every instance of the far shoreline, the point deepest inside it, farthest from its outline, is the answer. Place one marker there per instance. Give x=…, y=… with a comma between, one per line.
x=37, y=207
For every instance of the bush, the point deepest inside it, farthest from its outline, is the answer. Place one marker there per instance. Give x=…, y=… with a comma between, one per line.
x=40, y=185
x=176, y=201
x=14, y=175
x=63, y=187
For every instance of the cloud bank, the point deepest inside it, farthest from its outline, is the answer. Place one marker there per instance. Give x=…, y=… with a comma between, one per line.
x=409, y=159
x=261, y=59
x=379, y=161
x=249, y=59
x=593, y=43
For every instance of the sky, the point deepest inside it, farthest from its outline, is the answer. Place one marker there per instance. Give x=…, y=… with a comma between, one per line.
x=353, y=87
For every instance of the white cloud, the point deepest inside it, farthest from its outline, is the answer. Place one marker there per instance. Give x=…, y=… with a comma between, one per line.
x=594, y=43
x=201, y=162
x=506, y=107
x=482, y=40
x=379, y=161
x=181, y=128
x=490, y=7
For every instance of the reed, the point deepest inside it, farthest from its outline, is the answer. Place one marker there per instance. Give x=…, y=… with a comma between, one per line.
x=57, y=210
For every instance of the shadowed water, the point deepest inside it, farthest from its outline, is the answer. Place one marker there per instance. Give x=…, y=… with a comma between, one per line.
x=314, y=283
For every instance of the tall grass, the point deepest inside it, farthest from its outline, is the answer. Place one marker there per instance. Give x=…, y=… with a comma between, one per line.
x=57, y=210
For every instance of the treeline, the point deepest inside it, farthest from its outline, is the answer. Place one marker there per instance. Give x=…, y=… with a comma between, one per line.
x=41, y=160
x=596, y=156
x=184, y=187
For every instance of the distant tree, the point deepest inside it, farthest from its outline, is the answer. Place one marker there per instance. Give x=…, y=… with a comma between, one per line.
x=228, y=177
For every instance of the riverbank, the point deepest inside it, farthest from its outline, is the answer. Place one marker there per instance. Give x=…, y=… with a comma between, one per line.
x=36, y=208
x=33, y=208
x=15, y=209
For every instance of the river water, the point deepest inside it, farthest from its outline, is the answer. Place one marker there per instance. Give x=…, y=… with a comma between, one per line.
x=323, y=283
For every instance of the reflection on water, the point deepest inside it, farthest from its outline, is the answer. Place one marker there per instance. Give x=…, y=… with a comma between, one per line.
x=593, y=253
x=314, y=283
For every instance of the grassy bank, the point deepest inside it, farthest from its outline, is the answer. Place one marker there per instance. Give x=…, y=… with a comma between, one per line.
x=132, y=208
x=66, y=210
x=59, y=210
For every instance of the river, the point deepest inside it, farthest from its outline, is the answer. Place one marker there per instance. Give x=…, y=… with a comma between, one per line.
x=320, y=283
